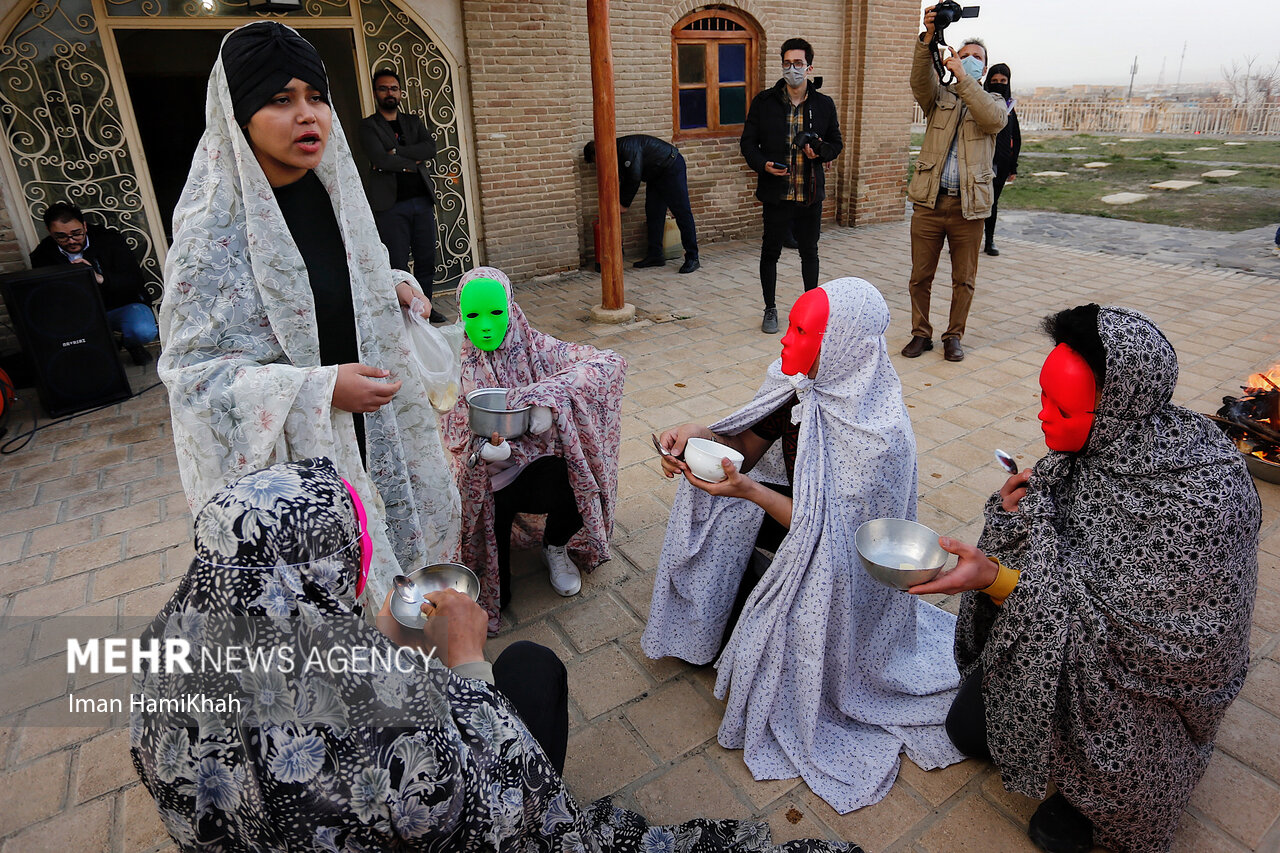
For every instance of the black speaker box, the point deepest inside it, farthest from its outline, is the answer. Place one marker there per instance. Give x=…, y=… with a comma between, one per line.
x=58, y=315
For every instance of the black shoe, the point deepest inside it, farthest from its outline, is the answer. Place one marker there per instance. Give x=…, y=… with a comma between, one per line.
x=650, y=262
x=770, y=323
x=139, y=354
x=789, y=242
x=992, y=250
x=689, y=265
x=438, y=316
x=916, y=346
x=1058, y=826
x=951, y=349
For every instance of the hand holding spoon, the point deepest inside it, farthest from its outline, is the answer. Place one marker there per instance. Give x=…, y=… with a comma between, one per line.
x=1006, y=462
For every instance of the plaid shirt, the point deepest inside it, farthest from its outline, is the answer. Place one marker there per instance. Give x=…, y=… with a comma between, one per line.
x=796, y=190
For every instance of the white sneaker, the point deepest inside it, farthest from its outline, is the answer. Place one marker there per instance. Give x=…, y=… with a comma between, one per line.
x=565, y=578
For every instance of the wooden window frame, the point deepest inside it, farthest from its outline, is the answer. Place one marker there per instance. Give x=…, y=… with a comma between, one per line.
x=749, y=35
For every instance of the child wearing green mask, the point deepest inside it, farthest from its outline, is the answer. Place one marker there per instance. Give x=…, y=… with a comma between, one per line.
x=561, y=477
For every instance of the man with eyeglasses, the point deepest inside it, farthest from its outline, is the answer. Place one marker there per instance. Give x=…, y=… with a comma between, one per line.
x=790, y=133
x=400, y=146
x=115, y=269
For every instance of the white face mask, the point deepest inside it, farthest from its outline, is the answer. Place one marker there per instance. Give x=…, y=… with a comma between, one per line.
x=973, y=66
x=794, y=76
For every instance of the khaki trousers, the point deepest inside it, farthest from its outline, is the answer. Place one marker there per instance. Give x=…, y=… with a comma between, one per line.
x=929, y=228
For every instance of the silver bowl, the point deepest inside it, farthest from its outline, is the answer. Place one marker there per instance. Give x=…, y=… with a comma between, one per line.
x=432, y=578
x=1261, y=468
x=885, y=545
x=488, y=413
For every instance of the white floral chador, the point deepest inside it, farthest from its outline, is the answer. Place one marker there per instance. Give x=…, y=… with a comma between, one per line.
x=829, y=675
x=241, y=355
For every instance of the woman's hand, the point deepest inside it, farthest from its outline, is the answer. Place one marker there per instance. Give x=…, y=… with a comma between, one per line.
x=406, y=293
x=1014, y=490
x=674, y=440
x=734, y=484
x=974, y=571
x=358, y=389
x=456, y=626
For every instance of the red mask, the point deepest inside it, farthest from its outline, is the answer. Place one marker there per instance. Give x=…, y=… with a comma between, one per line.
x=1068, y=393
x=807, y=324
x=366, y=544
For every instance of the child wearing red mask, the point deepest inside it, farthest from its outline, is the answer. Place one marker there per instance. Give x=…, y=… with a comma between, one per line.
x=1105, y=624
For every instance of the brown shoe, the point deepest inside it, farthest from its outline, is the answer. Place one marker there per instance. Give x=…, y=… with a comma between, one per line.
x=951, y=349
x=916, y=346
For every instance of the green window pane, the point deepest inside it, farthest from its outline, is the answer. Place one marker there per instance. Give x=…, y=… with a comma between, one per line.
x=693, y=108
x=733, y=63
x=733, y=104
x=693, y=63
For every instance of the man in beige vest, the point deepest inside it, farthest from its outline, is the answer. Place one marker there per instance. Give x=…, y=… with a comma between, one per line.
x=951, y=191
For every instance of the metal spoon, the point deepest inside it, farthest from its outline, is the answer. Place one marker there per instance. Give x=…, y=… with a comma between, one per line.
x=1006, y=462
x=406, y=589
x=663, y=450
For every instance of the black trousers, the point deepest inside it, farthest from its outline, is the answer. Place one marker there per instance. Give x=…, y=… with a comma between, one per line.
x=542, y=488
x=410, y=226
x=997, y=184
x=803, y=221
x=535, y=681
x=967, y=719
x=670, y=192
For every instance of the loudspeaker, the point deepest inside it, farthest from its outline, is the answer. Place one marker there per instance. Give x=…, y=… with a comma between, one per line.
x=58, y=315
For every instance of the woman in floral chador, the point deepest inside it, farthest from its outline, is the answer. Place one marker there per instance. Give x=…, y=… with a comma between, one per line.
x=281, y=323
x=326, y=757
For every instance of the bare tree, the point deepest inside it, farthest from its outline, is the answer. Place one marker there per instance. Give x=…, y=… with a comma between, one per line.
x=1250, y=82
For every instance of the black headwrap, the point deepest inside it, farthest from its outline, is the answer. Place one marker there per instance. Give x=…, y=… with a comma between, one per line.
x=1002, y=88
x=261, y=58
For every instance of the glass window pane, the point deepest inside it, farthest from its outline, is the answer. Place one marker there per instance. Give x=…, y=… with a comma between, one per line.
x=693, y=63
x=693, y=108
x=733, y=63
x=733, y=105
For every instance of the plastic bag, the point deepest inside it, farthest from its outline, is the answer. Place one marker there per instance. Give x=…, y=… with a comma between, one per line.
x=437, y=353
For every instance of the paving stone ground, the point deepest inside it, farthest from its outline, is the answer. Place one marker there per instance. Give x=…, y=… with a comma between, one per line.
x=96, y=533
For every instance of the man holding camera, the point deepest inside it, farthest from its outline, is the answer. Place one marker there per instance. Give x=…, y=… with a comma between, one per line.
x=790, y=132
x=951, y=191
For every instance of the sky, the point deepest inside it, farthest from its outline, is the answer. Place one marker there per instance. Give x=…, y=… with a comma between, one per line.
x=1060, y=42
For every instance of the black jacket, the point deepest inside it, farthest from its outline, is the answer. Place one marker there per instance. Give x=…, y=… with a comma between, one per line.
x=641, y=158
x=377, y=139
x=112, y=259
x=1008, y=146
x=765, y=137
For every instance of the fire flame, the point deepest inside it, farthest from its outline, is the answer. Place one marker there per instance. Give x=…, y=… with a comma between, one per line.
x=1267, y=381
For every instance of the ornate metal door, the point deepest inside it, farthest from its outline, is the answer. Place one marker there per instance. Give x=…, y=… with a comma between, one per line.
x=70, y=136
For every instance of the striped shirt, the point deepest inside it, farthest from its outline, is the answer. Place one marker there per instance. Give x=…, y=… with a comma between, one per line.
x=951, y=166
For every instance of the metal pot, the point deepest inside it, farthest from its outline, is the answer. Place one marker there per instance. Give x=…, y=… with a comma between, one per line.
x=1261, y=468
x=487, y=413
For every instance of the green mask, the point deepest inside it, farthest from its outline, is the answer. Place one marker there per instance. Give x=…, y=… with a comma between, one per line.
x=484, y=313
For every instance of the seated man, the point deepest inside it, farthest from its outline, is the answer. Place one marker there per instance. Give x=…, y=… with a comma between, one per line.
x=1105, y=627
x=829, y=675
x=115, y=269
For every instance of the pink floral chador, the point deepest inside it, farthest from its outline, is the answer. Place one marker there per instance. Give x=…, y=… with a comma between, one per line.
x=582, y=386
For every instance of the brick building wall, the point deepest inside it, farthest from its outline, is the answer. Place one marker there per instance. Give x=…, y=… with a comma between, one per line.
x=531, y=102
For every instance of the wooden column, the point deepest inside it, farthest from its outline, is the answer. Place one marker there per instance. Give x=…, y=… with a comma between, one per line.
x=613, y=306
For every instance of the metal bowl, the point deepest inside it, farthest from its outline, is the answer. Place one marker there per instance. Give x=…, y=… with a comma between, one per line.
x=1261, y=468
x=488, y=413
x=433, y=578
x=885, y=545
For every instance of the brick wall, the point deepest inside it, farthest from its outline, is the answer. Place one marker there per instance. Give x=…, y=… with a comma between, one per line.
x=531, y=101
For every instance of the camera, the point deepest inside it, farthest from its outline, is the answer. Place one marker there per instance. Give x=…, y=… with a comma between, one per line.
x=949, y=11
x=807, y=137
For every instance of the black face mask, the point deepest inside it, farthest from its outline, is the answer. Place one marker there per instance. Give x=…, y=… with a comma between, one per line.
x=1001, y=89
